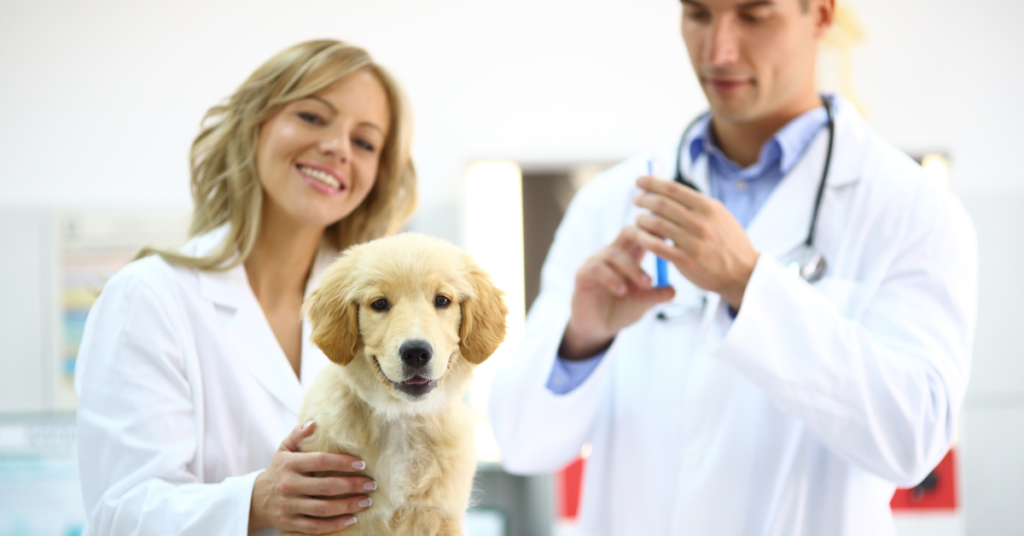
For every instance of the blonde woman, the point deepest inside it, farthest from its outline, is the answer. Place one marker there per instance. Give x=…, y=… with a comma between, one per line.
x=194, y=362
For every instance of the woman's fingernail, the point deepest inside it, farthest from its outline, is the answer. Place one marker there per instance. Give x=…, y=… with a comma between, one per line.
x=370, y=486
x=350, y=521
x=307, y=425
x=359, y=466
x=365, y=503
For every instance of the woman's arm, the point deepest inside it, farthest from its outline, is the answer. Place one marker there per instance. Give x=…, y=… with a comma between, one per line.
x=138, y=450
x=139, y=438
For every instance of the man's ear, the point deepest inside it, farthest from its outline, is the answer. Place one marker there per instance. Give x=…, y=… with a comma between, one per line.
x=334, y=320
x=483, y=318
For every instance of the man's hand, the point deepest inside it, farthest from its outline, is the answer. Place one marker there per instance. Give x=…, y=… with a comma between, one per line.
x=611, y=293
x=711, y=248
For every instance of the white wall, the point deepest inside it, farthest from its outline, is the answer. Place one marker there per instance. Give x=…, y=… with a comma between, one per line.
x=101, y=99
x=99, y=102
x=27, y=283
x=992, y=422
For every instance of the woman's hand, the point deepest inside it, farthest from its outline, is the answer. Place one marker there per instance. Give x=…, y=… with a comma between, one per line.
x=287, y=498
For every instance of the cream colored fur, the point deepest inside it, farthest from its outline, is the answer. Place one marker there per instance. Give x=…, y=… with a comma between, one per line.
x=419, y=449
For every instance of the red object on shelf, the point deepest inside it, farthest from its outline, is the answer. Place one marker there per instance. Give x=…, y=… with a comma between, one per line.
x=941, y=495
x=569, y=483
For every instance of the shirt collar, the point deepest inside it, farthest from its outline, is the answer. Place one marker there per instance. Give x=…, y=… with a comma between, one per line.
x=786, y=146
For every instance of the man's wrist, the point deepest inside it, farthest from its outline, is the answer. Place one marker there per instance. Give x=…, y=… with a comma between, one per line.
x=734, y=295
x=575, y=347
x=735, y=298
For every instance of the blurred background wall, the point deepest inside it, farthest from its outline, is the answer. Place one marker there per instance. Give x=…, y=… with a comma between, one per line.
x=99, y=102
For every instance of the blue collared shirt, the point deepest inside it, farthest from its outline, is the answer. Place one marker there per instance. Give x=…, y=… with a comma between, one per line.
x=742, y=190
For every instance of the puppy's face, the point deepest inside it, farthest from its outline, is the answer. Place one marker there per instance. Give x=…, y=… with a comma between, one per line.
x=410, y=328
x=407, y=316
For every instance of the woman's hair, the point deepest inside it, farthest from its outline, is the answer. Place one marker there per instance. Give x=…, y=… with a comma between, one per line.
x=226, y=188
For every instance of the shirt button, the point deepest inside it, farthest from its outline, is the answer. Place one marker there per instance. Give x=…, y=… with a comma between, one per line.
x=693, y=457
x=741, y=186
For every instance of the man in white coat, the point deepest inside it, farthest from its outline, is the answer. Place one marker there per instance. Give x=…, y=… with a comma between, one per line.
x=744, y=399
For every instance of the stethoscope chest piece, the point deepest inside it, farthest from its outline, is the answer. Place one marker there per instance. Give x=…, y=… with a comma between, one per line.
x=806, y=262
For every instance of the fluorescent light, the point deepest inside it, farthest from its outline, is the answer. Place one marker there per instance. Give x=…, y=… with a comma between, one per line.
x=494, y=236
x=936, y=169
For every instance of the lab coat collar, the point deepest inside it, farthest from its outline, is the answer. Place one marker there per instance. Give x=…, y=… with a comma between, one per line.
x=783, y=221
x=222, y=287
x=246, y=327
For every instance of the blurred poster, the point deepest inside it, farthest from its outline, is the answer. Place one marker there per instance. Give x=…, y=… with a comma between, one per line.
x=39, y=488
x=93, y=247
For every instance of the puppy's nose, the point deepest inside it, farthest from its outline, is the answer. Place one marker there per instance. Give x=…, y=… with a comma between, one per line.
x=415, y=353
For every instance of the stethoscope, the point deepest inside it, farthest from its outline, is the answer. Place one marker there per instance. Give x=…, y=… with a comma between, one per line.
x=806, y=261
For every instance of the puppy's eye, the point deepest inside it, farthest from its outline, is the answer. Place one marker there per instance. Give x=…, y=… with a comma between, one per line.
x=441, y=302
x=380, y=305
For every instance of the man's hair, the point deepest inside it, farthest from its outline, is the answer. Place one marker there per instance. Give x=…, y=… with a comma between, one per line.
x=805, y=5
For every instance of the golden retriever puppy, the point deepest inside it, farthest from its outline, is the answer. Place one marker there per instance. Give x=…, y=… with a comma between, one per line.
x=406, y=319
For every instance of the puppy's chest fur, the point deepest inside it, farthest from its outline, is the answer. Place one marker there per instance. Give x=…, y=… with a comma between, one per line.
x=423, y=464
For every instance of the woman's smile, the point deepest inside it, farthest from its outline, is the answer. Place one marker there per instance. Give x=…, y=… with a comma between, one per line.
x=321, y=177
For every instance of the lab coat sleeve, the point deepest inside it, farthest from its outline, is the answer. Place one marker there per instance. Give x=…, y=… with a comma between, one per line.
x=138, y=429
x=881, y=389
x=536, y=429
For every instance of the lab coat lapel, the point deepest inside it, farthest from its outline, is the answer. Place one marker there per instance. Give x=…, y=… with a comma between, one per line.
x=247, y=330
x=784, y=220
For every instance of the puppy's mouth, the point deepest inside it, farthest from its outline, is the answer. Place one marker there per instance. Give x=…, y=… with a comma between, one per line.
x=416, y=386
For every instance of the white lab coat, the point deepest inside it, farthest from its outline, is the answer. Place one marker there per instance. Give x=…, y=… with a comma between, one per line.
x=801, y=415
x=185, y=395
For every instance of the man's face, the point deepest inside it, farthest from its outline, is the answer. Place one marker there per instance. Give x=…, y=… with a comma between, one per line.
x=753, y=58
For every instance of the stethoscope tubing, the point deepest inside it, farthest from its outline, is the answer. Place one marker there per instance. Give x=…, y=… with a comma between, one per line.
x=681, y=178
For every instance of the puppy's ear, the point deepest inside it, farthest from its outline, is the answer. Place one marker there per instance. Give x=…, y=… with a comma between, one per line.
x=334, y=321
x=483, y=319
